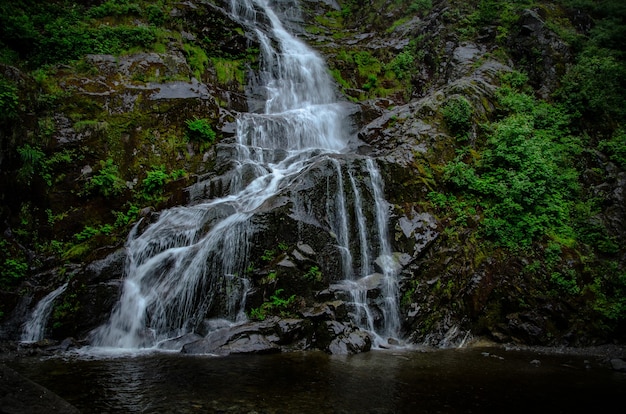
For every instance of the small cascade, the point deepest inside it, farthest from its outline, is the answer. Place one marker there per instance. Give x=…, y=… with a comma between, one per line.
x=179, y=267
x=385, y=259
x=35, y=328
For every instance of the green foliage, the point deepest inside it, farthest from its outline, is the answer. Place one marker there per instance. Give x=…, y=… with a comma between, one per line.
x=314, y=274
x=32, y=163
x=228, y=71
x=197, y=59
x=609, y=290
x=615, y=147
x=590, y=229
x=9, y=101
x=524, y=181
x=87, y=233
x=115, y=8
x=566, y=282
x=155, y=14
x=420, y=6
x=402, y=64
x=276, y=306
x=90, y=232
x=107, y=180
x=13, y=269
x=200, y=130
x=457, y=113
x=594, y=88
x=123, y=219
x=268, y=255
x=61, y=31
x=372, y=81
x=366, y=63
x=155, y=181
x=66, y=308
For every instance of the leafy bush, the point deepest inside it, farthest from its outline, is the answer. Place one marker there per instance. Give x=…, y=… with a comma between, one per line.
x=199, y=130
x=107, y=181
x=314, y=274
x=9, y=100
x=402, y=64
x=615, y=147
x=156, y=16
x=420, y=6
x=122, y=219
x=594, y=88
x=277, y=305
x=114, y=8
x=155, y=181
x=13, y=269
x=457, y=112
x=32, y=163
x=523, y=181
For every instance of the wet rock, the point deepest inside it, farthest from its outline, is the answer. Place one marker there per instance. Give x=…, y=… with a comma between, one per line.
x=241, y=339
x=346, y=339
x=618, y=364
x=540, y=51
x=271, y=335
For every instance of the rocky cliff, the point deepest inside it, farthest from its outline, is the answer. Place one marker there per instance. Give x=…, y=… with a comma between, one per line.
x=507, y=205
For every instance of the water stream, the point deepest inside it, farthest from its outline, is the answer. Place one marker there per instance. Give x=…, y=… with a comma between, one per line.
x=192, y=254
x=35, y=327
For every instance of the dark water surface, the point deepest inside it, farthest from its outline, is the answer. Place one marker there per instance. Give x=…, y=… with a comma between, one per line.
x=444, y=381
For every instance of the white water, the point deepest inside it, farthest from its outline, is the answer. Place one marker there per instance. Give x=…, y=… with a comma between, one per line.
x=192, y=255
x=34, y=329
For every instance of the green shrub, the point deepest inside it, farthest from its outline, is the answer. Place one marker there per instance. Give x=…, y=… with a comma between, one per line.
x=107, y=180
x=402, y=64
x=114, y=8
x=420, y=6
x=9, y=101
x=314, y=274
x=155, y=181
x=523, y=181
x=13, y=269
x=593, y=88
x=457, y=113
x=87, y=233
x=277, y=305
x=32, y=163
x=156, y=16
x=615, y=147
x=123, y=219
x=199, y=130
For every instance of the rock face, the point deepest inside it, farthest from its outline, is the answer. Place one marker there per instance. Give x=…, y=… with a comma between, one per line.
x=276, y=335
x=136, y=108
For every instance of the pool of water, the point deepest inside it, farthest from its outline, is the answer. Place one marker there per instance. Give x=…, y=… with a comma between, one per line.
x=406, y=381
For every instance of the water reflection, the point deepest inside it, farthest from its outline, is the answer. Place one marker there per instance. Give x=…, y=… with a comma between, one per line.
x=450, y=381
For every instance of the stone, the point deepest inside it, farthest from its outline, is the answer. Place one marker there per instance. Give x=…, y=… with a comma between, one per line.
x=618, y=364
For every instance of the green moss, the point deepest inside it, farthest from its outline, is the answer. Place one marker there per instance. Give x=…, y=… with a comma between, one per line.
x=229, y=71
x=197, y=59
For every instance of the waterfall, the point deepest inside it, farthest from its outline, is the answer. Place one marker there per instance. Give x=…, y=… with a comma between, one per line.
x=178, y=266
x=34, y=329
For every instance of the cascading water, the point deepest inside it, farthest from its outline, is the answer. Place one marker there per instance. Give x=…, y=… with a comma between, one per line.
x=34, y=329
x=178, y=266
